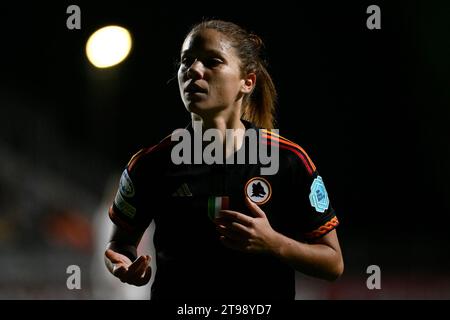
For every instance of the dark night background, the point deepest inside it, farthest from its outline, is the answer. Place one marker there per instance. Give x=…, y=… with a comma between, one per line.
x=371, y=107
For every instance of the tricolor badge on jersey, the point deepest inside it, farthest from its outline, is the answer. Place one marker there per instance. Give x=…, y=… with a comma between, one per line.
x=319, y=196
x=215, y=204
x=258, y=190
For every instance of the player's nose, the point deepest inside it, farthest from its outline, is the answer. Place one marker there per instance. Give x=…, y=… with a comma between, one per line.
x=195, y=70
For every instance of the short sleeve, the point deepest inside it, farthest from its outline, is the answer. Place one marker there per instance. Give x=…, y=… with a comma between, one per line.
x=129, y=209
x=317, y=216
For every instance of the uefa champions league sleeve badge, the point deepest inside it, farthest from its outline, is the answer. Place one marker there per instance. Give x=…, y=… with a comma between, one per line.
x=319, y=196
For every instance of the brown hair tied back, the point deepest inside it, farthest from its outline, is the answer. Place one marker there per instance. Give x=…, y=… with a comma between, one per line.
x=259, y=105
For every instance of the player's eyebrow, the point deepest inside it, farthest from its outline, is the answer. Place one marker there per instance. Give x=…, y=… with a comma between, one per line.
x=211, y=52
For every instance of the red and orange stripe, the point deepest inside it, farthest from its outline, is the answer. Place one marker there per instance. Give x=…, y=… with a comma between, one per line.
x=283, y=143
x=164, y=142
x=327, y=227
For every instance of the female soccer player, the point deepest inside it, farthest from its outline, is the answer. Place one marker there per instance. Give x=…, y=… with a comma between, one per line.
x=223, y=228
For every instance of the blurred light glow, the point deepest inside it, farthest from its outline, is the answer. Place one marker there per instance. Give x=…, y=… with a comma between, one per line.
x=108, y=46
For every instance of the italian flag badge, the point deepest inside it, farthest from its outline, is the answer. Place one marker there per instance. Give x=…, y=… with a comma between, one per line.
x=215, y=204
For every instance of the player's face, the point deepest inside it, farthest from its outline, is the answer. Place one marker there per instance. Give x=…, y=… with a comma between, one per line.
x=209, y=76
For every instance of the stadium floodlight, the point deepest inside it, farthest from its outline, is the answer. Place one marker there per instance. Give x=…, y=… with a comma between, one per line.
x=108, y=46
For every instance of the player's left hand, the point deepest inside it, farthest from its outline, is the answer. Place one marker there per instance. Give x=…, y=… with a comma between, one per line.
x=242, y=232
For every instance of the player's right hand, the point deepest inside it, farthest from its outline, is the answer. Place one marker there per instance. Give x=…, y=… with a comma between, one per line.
x=137, y=273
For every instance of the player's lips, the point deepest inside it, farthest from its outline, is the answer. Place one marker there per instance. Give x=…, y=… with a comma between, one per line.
x=194, y=88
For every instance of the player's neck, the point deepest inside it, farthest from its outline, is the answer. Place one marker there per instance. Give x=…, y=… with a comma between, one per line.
x=219, y=122
x=222, y=124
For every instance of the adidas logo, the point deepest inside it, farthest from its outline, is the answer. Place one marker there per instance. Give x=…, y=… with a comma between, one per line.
x=182, y=191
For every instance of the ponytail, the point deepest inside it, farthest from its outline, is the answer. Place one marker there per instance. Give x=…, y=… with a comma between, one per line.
x=259, y=105
x=259, y=108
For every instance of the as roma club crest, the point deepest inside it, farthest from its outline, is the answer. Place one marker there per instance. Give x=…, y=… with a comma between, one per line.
x=258, y=190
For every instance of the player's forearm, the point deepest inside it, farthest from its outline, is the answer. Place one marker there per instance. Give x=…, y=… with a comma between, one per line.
x=317, y=260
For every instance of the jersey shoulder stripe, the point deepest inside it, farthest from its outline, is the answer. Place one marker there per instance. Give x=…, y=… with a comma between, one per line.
x=145, y=151
x=283, y=143
x=135, y=157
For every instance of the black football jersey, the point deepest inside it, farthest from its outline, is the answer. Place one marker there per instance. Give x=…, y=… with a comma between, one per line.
x=183, y=199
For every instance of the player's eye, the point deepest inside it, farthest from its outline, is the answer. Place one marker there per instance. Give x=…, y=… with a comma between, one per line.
x=187, y=61
x=213, y=62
